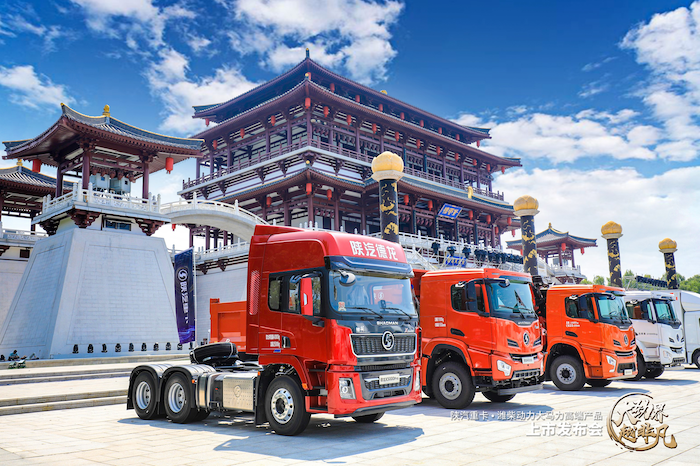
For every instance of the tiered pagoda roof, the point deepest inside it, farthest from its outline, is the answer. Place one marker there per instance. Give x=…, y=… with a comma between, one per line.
x=22, y=189
x=550, y=240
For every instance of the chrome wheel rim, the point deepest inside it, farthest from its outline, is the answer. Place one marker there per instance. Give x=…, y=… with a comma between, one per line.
x=566, y=373
x=282, y=405
x=176, y=397
x=450, y=386
x=143, y=395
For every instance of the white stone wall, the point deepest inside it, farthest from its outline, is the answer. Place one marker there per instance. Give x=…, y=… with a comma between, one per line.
x=226, y=286
x=11, y=270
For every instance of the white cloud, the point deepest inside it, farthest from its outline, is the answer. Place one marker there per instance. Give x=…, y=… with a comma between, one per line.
x=169, y=81
x=29, y=89
x=594, y=88
x=595, y=65
x=353, y=34
x=648, y=208
x=49, y=34
x=197, y=43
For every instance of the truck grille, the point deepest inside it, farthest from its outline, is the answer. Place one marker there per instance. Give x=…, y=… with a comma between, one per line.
x=624, y=354
x=373, y=384
x=625, y=366
x=519, y=357
x=678, y=350
x=384, y=367
x=525, y=374
x=365, y=345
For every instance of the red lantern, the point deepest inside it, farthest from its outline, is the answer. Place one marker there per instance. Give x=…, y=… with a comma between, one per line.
x=405, y=199
x=439, y=150
x=495, y=230
x=397, y=136
x=329, y=194
x=478, y=143
x=374, y=128
x=582, y=251
x=430, y=205
x=509, y=221
x=503, y=169
x=456, y=157
x=471, y=215
x=563, y=246
x=309, y=188
x=268, y=201
x=326, y=111
x=206, y=121
x=439, y=130
x=349, y=119
x=421, y=123
x=169, y=162
x=381, y=107
x=513, y=231
x=488, y=167
x=458, y=137
x=273, y=120
x=357, y=98
x=174, y=226
x=403, y=116
x=332, y=87
x=417, y=143
x=215, y=144
x=475, y=162
x=307, y=103
x=488, y=218
x=242, y=133
x=36, y=165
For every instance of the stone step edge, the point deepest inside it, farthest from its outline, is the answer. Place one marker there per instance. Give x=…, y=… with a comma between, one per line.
x=39, y=407
x=100, y=360
x=16, y=375
x=63, y=378
x=33, y=400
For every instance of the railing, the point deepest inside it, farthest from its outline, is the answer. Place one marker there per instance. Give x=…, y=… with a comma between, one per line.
x=243, y=162
x=235, y=249
x=566, y=269
x=20, y=235
x=209, y=206
x=90, y=197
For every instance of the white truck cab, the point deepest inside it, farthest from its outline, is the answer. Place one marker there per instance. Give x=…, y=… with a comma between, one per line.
x=689, y=304
x=659, y=331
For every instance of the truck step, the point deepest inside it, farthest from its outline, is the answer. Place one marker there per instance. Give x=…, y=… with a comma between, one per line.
x=63, y=397
x=83, y=403
x=38, y=378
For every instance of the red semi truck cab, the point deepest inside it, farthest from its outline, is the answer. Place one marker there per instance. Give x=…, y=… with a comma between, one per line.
x=588, y=335
x=331, y=319
x=480, y=333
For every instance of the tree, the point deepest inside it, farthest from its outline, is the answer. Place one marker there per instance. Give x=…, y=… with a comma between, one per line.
x=598, y=280
x=586, y=282
x=691, y=284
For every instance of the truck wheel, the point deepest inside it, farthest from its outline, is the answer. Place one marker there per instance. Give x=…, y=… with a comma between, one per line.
x=567, y=373
x=368, y=419
x=284, y=406
x=452, y=386
x=654, y=373
x=641, y=368
x=143, y=395
x=496, y=398
x=201, y=415
x=178, y=401
x=598, y=382
x=696, y=359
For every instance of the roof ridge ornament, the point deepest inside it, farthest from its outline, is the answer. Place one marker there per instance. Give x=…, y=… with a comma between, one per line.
x=105, y=111
x=307, y=53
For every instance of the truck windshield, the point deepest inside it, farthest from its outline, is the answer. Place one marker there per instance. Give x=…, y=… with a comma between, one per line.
x=371, y=294
x=511, y=302
x=664, y=311
x=612, y=309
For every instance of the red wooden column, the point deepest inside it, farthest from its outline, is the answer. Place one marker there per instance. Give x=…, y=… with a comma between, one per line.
x=229, y=152
x=310, y=209
x=191, y=237
x=573, y=263
x=363, y=224
x=145, y=160
x=207, y=238
x=86, y=168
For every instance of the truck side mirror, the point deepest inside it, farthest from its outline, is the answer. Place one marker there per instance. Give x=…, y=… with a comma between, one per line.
x=306, y=297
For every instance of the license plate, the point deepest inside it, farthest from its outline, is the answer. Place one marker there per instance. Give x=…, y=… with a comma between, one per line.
x=389, y=379
x=528, y=360
x=628, y=372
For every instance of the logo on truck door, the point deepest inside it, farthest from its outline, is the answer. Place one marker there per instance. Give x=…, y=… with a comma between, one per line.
x=388, y=340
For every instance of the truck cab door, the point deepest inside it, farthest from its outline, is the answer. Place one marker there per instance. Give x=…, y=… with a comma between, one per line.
x=582, y=326
x=646, y=330
x=303, y=335
x=468, y=319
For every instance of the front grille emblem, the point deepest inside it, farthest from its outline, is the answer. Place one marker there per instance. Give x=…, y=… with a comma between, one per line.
x=388, y=340
x=626, y=340
x=526, y=338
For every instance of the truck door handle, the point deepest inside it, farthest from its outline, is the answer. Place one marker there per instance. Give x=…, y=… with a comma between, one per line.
x=457, y=332
x=286, y=342
x=571, y=334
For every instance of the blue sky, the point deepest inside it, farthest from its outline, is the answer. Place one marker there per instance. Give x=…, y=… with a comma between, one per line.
x=601, y=100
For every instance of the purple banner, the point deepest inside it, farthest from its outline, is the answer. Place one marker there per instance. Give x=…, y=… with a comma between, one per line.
x=184, y=295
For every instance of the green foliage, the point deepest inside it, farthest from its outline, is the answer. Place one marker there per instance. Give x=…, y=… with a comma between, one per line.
x=598, y=280
x=691, y=284
x=586, y=282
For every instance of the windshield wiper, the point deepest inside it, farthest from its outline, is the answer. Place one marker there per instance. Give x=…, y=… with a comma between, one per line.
x=401, y=311
x=365, y=309
x=516, y=310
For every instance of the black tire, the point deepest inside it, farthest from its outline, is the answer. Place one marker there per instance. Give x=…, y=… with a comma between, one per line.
x=201, y=415
x=368, y=419
x=494, y=397
x=567, y=373
x=654, y=373
x=285, y=393
x=641, y=368
x=143, y=395
x=696, y=359
x=599, y=383
x=177, y=400
x=452, y=385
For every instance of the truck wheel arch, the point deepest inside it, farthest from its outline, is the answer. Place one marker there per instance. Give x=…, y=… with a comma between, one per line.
x=264, y=381
x=156, y=371
x=559, y=349
x=442, y=353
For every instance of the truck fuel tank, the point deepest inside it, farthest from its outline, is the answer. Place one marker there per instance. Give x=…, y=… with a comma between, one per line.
x=228, y=391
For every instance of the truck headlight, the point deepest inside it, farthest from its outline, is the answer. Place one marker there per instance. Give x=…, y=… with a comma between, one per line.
x=503, y=367
x=347, y=389
x=612, y=362
x=416, y=381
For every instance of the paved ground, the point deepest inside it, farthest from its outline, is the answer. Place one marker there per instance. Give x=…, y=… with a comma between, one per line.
x=517, y=432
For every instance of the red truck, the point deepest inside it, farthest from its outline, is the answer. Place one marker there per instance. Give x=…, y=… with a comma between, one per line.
x=480, y=333
x=330, y=317
x=588, y=336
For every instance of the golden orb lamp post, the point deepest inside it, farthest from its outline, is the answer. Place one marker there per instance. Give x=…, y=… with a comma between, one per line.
x=611, y=231
x=387, y=169
x=668, y=247
x=525, y=208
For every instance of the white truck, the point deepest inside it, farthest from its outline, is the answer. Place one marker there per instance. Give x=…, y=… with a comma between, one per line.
x=689, y=304
x=658, y=330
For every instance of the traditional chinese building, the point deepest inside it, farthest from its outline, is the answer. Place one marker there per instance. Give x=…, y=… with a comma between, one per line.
x=557, y=248
x=297, y=150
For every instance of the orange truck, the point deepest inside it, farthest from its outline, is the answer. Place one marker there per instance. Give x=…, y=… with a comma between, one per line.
x=480, y=333
x=588, y=336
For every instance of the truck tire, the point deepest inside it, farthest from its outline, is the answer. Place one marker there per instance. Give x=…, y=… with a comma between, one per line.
x=641, y=368
x=654, y=373
x=201, y=415
x=368, y=419
x=494, y=397
x=567, y=373
x=177, y=399
x=452, y=385
x=285, y=406
x=696, y=358
x=599, y=383
x=143, y=394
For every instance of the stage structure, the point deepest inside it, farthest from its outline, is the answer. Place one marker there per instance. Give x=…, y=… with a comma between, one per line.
x=557, y=249
x=297, y=150
x=99, y=283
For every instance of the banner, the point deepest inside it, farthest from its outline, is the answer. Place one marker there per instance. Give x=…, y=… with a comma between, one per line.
x=449, y=211
x=184, y=295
